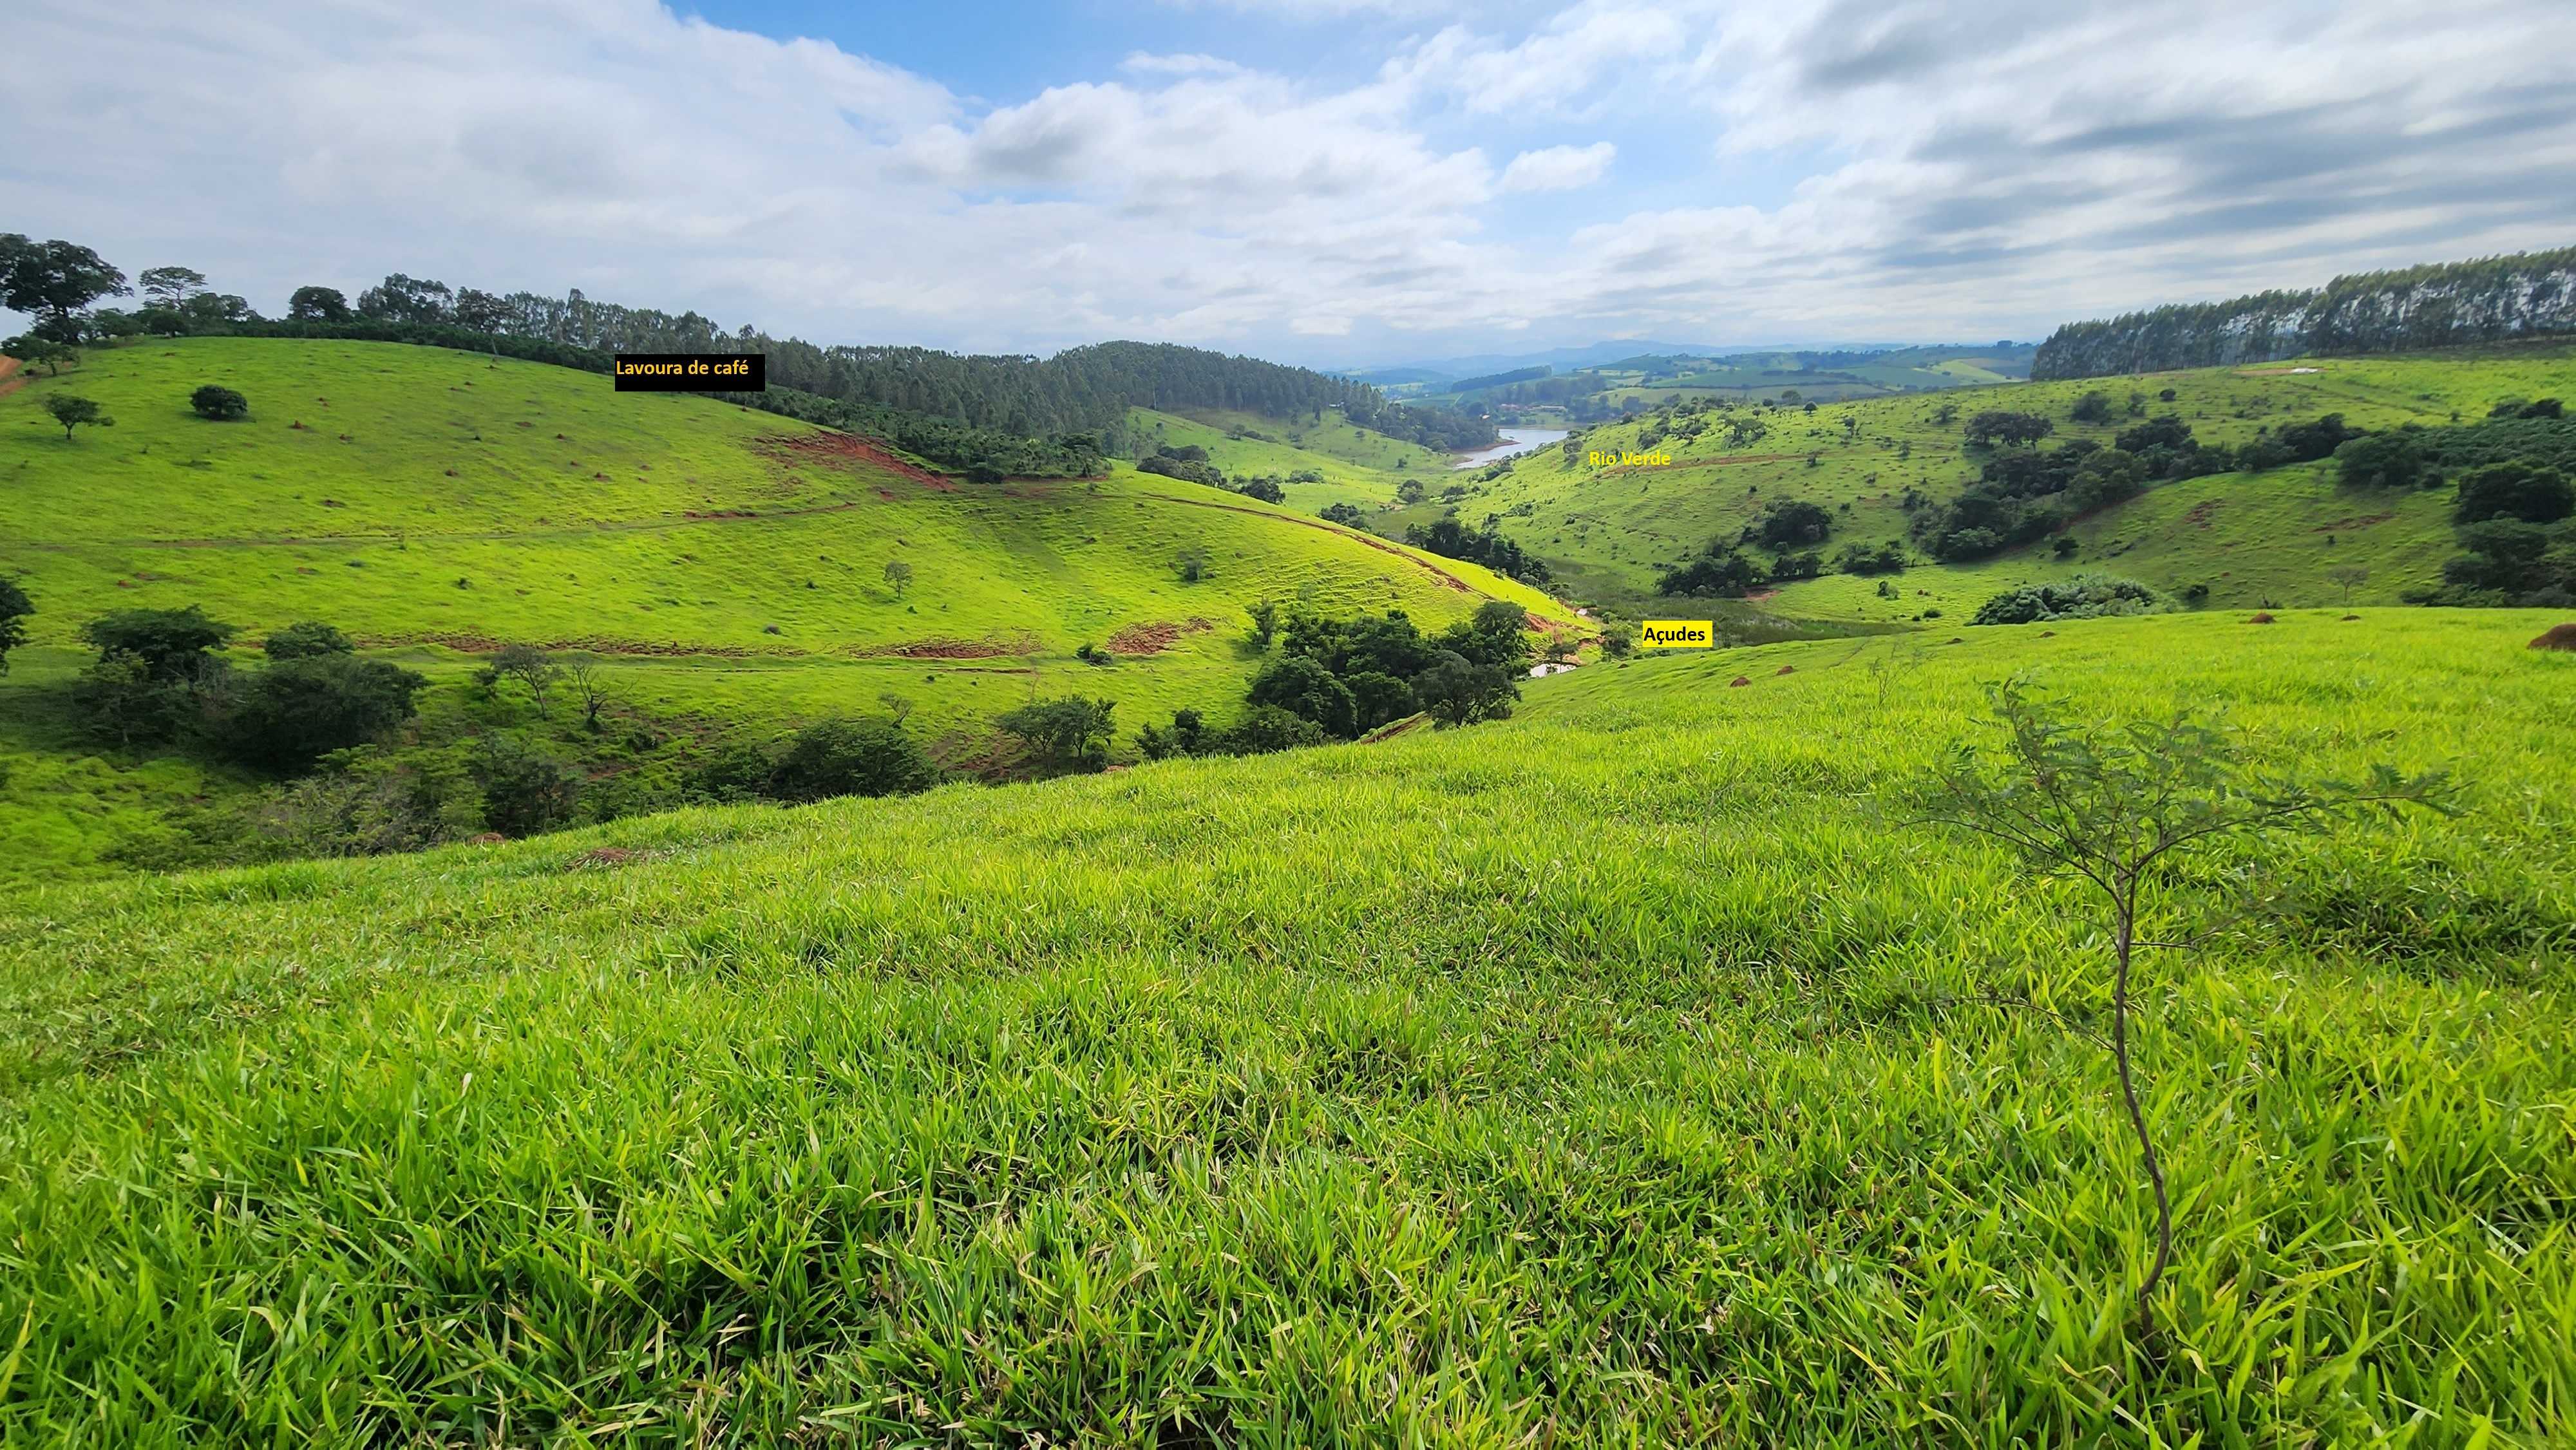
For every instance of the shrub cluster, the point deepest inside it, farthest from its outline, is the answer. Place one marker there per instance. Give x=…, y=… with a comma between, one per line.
x=2085, y=596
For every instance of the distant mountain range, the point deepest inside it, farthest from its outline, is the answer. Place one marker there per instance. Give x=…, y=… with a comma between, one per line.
x=1592, y=355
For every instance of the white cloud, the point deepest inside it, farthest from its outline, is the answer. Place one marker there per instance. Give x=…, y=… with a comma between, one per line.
x=1559, y=168
x=1861, y=169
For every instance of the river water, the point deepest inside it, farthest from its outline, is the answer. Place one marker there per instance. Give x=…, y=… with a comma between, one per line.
x=1516, y=441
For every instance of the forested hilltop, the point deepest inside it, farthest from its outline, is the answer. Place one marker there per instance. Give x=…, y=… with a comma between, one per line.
x=2444, y=304
x=983, y=415
x=1079, y=390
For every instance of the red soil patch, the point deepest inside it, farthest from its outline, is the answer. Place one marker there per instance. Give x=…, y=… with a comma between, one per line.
x=10, y=382
x=846, y=448
x=1788, y=670
x=1738, y=680
x=2261, y=618
x=1759, y=595
x=1022, y=643
x=480, y=644
x=2557, y=637
x=2201, y=513
x=1151, y=639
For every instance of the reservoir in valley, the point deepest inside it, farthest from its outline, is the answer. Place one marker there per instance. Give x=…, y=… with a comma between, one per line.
x=1516, y=441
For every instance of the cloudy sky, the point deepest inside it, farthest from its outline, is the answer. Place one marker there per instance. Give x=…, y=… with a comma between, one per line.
x=1327, y=181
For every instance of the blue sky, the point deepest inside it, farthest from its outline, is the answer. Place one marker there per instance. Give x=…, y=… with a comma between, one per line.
x=1327, y=181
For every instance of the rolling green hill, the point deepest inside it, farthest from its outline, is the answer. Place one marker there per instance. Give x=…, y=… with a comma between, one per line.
x=1615, y=1074
x=1610, y=531
x=728, y=565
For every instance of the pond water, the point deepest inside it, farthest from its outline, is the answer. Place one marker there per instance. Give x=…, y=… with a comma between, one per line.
x=1516, y=441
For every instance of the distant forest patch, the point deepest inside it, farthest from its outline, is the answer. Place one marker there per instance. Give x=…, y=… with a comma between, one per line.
x=2446, y=304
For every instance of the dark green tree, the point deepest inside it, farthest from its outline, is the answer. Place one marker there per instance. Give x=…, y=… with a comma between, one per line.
x=1067, y=734
x=171, y=644
x=1305, y=688
x=15, y=608
x=852, y=758
x=2380, y=460
x=52, y=281
x=170, y=287
x=1456, y=691
x=219, y=404
x=305, y=641
x=287, y=716
x=2514, y=490
x=526, y=791
x=73, y=411
x=317, y=304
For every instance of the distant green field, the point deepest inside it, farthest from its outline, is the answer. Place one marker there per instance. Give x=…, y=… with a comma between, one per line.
x=1360, y=468
x=2250, y=537
x=728, y=566
x=1614, y=1075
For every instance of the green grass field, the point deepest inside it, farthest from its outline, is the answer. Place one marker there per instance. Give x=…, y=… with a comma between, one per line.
x=1597, y=1077
x=2250, y=537
x=435, y=504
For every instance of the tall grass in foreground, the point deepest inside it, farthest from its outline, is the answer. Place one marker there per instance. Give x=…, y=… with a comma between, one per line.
x=1598, y=1078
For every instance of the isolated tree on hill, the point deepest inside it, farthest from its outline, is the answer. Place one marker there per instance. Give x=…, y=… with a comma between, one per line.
x=531, y=667
x=170, y=286
x=588, y=680
x=1410, y=491
x=1998, y=426
x=14, y=609
x=53, y=281
x=898, y=576
x=1265, y=621
x=2093, y=407
x=1191, y=564
x=317, y=304
x=2350, y=577
x=32, y=350
x=73, y=411
x=219, y=404
x=2115, y=807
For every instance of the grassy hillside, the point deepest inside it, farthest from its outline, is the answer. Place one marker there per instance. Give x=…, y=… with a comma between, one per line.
x=1359, y=467
x=1521, y=1084
x=2248, y=536
x=728, y=564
